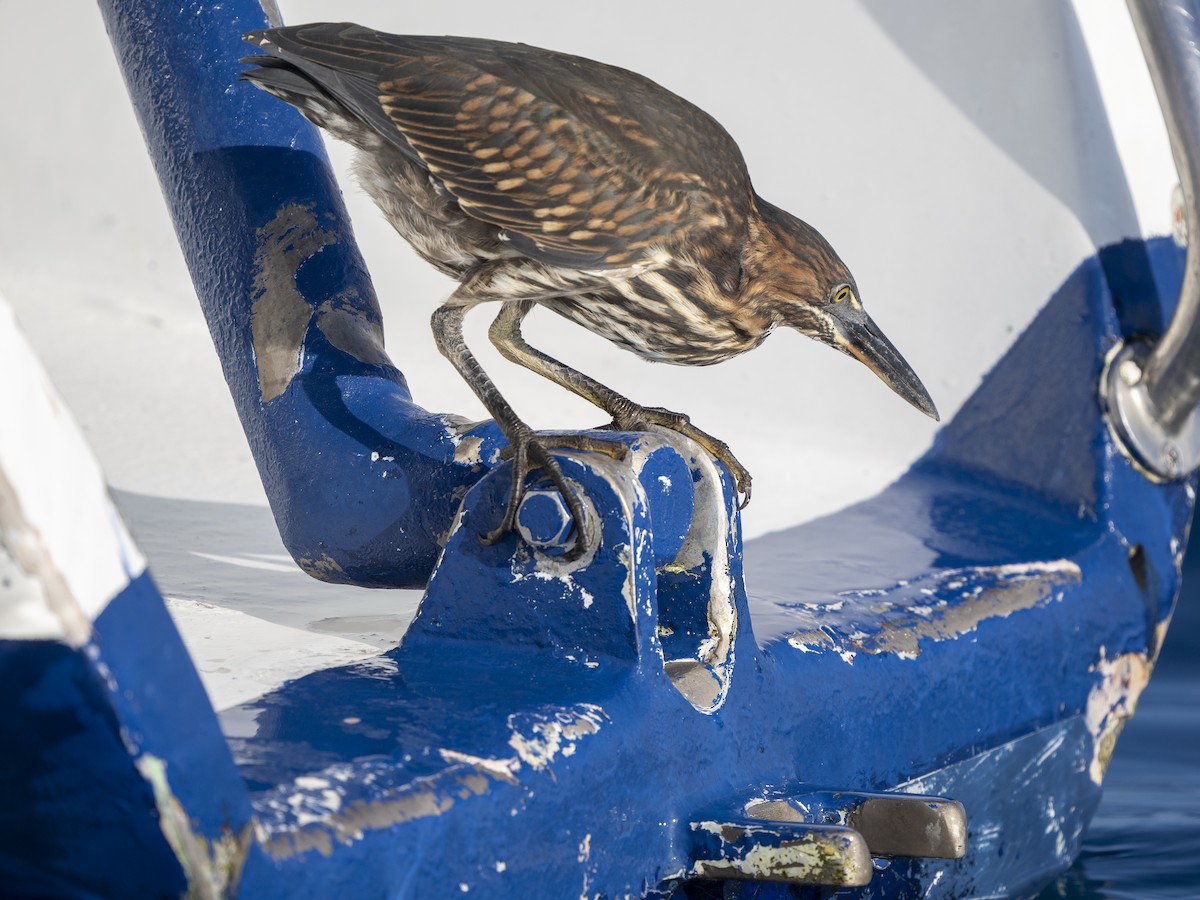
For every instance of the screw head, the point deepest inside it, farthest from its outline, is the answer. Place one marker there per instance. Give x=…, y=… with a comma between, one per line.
x=1172, y=459
x=1130, y=372
x=543, y=519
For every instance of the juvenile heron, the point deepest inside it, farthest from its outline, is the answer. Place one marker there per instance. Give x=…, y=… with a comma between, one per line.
x=534, y=177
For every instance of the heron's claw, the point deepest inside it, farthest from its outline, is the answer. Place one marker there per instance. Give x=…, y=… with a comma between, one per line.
x=639, y=418
x=530, y=451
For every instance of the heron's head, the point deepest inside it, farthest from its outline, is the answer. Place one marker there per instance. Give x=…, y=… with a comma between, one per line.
x=798, y=279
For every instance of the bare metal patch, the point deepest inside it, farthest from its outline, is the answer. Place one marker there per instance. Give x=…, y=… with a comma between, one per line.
x=321, y=569
x=759, y=853
x=467, y=451
x=959, y=600
x=316, y=814
x=280, y=315
x=351, y=332
x=348, y=822
x=704, y=679
x=1112, y=702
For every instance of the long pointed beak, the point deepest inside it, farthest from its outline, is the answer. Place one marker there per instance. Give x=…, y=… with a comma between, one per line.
x=858, y=335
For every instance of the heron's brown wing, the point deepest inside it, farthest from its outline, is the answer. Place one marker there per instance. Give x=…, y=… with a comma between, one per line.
x=581, y=164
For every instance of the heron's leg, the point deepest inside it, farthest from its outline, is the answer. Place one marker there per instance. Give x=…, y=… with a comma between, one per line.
x=505, y=333
x=528, y=452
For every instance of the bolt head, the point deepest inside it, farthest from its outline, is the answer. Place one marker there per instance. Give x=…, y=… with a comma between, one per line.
x=1172, y=459
x=1130, y=372
x=543, y=519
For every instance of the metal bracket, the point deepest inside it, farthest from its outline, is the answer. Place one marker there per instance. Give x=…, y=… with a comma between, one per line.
x=1137, y=425
x=1150, y=392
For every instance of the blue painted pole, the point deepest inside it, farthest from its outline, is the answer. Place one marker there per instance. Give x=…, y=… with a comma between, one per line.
x=361, y=480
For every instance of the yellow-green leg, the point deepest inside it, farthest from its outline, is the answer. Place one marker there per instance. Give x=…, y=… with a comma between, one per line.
x=527, y=451
x=505, y=333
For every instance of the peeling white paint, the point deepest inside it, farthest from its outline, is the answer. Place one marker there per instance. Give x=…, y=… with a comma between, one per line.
x=629, y=587
x=1054, y=827
x=1052, y=747
x=541, y=737
x=1111, y=702
x=987, y=835
x=933, y=882
x=313, y=806
x=585, y=849
x=503, y=769
x=299, y=820
x=795, y=642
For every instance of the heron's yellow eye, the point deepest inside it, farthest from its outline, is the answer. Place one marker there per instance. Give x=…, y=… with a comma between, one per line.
x=842, y=295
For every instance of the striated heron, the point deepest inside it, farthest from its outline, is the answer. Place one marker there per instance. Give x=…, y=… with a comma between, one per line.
x=534, y=177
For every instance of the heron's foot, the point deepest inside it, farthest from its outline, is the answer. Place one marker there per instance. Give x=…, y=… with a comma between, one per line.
x=530, y=451
x=639, y=418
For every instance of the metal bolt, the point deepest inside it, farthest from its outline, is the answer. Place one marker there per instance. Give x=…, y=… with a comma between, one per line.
x=1172, y=459
x=1130, y=372
x=543, y=519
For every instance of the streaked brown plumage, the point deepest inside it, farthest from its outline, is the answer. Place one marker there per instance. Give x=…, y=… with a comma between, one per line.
x=538, y=178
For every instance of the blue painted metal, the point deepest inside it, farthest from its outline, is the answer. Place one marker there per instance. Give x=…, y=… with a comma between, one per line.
x=109, y=747
x=550, y=728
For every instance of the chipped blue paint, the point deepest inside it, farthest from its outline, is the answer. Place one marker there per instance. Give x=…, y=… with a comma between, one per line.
x=977, y=631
